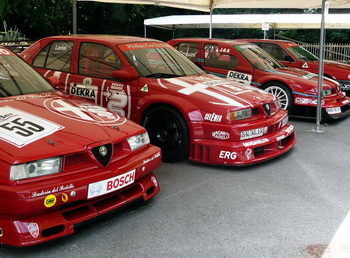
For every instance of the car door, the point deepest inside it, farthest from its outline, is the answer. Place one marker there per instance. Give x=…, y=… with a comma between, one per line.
x=93, y=79
x=225, y=62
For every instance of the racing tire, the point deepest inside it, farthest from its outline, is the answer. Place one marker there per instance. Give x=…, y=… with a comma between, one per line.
x=282, y=92
x=168, y=130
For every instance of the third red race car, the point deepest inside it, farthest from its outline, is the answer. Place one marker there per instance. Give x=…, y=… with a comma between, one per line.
x=248, y=64
x=293, y=55
x=186, y=112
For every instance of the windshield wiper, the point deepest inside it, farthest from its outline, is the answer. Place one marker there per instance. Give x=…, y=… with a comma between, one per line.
x=162, y=75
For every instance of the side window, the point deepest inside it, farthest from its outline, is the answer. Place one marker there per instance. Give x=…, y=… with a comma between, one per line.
x=277, y=52
x=189, y=50
x=98, y=60
x=55, y=56
x=213, y=58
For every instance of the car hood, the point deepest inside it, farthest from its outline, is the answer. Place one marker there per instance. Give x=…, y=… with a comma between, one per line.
x=302, y=76
x=210, y=89
x=39, y=126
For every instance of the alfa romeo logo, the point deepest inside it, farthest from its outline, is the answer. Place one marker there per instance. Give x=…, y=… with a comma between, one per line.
x=103, y=151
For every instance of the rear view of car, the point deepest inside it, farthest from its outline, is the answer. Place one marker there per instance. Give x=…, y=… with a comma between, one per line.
x=187, y=113
x=63, y=160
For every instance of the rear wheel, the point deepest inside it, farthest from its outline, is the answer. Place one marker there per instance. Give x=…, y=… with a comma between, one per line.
x=282, y=92
x=168, y=130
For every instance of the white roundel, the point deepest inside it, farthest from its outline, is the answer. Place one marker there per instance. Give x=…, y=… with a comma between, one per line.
x=84, y=111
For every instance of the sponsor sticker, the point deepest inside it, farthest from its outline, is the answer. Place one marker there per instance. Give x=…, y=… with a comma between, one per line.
x=33, y=229
x=213, y=117
x=333, y=111
x=228, y=155
x=241, y=78
x=253, y=133
x=145, y=161
x=111, y=184
x=20, y=128
x=50, y=201
x=221, y=135
x=256, y=142
x=248, y=153
x=305, y=65
x=84, y=91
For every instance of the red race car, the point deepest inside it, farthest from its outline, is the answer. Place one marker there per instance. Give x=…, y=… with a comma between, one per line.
x=185, y=111
x=293, y=55
x=250, y=65
x=64, y=160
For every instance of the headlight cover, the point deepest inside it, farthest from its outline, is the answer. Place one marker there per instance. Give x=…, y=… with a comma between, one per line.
x=240, y=114
x=36, y=168
x=138, y=141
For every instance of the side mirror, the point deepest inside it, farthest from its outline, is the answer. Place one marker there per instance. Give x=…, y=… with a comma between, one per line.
x=53, y=80
x=126, y=74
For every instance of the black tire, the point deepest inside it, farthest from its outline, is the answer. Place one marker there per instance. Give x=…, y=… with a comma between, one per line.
x=168, y=130
x=282, y=92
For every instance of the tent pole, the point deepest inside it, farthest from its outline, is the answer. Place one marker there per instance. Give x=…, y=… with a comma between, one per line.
x=74, y=4
x=321, y=70
x=211, y=23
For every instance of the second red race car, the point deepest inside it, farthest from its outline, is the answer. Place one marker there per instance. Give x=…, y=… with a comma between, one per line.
x=250, y=65
x=64, y=160
x=186, y=112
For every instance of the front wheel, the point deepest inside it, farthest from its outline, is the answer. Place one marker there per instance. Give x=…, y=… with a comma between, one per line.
x=282, y=92
x=168, y=130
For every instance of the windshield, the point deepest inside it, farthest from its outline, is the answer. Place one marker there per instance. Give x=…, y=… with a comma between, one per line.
x=302, y=53
x=158, y=60
x=258, y=57
x=18, y=78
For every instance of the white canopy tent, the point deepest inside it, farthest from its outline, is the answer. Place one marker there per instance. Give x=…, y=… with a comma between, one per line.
x=209, y=5
x=250, y=21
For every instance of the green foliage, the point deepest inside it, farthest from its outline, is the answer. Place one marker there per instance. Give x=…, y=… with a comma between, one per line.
x=11, y=34
x=41, y=18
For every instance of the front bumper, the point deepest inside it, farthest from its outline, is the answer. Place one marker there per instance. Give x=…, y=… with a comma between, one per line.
x=28, y=220
x=244, y=152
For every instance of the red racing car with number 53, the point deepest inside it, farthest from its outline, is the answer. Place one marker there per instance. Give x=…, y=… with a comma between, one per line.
x=186, y=112
x=64, y=160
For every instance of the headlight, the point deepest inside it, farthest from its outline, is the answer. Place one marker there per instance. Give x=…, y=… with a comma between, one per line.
x=284, y=121
x=138, y=141
x=240, y=114
x=36, y=168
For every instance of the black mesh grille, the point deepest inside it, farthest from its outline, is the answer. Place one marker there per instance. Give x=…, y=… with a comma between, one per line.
x=104, y=160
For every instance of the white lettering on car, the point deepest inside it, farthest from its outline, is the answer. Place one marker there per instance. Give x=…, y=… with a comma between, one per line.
x=213, y=117
x=227, y=155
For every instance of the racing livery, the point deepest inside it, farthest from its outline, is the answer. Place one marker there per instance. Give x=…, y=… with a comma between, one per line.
x=291, y=54
x=64, y=160
x=186, y=112
x=250, y=65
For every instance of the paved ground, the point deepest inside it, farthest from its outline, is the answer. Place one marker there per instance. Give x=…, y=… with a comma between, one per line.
x=288, y=207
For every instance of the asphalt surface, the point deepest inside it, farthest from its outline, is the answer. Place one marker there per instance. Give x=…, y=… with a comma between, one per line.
x=288, y=207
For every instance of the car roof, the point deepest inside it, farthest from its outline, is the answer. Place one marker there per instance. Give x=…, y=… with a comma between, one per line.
x=269, y=40
x=114, y=39
x=232, y=42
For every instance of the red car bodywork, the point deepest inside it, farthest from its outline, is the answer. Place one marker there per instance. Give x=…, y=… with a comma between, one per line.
x=99, y=172
x=300, y=86
x=202, y=101
x=291, y=54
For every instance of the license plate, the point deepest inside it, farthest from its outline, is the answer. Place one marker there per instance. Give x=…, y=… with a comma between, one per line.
x=111, y=184
x=253, y=133
x=333, y=111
